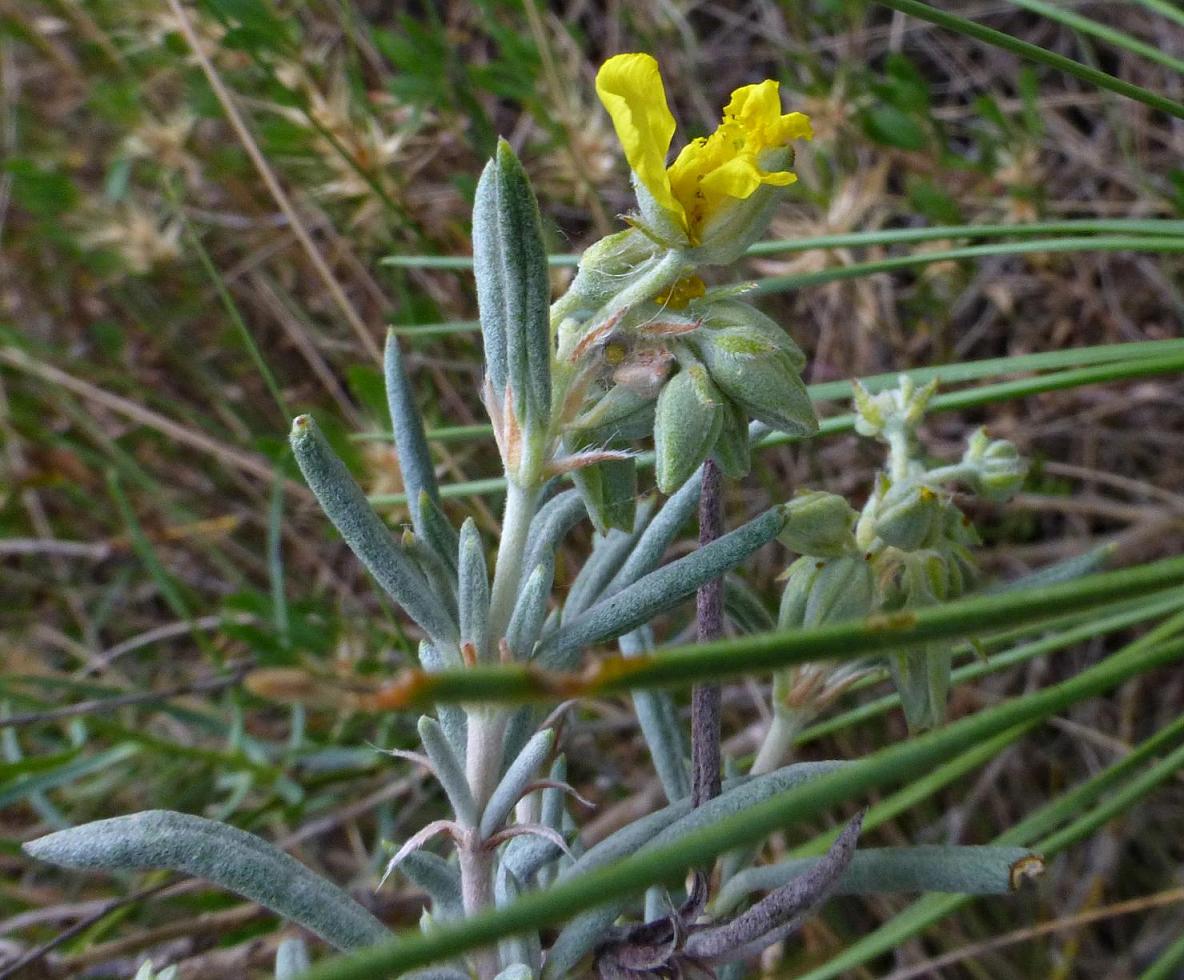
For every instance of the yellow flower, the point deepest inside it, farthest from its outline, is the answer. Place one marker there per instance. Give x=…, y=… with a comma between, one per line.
x=709, y=172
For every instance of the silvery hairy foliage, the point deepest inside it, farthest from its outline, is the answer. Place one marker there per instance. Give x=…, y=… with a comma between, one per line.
x=638, y=348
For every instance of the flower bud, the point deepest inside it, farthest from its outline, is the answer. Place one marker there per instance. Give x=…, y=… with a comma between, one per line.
x=756, y=333
x=819, y=524
x=909, y=518
x=758, y=375
x=687, y=423
x=843, y=589
x=922, y=678
x=999, y=469
x=900, y=408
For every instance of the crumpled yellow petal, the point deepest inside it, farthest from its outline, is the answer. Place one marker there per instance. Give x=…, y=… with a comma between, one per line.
x=630, y=87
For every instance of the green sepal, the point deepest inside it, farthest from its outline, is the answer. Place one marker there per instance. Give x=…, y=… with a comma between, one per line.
x=819, y=524
x=687, y=423
x=733, y=451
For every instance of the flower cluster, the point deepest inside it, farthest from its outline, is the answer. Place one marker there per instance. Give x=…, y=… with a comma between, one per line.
x=909, y=547
x=647, y=346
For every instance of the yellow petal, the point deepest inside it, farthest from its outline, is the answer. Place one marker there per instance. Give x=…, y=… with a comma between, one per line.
x=630, y=86
x=758, y=109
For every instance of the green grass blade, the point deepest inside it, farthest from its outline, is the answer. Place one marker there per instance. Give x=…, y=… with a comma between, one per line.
x=856, y=270
x=1169, y=964
x=1093, y=626
x=860, y=239
x=1104, y=32
x=1166, y=8
x=686, y=665
x=1032, y=52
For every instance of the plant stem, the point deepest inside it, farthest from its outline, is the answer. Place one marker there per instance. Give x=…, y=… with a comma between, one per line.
x=508, y=573
x=776, y=745
x=705, y=698
x=476, y=876
x=486, y=725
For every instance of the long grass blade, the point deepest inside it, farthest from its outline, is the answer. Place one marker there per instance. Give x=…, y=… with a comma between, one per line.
x=686, y=665
x=1032, y=52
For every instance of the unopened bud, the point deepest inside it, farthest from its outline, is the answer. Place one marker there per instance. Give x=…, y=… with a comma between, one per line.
x=900, y=408
x=621, y=413
x=999, y=469
x=759, y=376
x=843, y=589
x=749, y=331
x=820, y=524
x=687, y=423
x=910, y=518
x=799, y=580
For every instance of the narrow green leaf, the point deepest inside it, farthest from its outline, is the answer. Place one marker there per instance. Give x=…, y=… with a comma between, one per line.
x=229, y=857
x=966, y=870
x=363, y=530
x=513, y=288
x=658, y=591
x=513, y=784
x=450, y=771
x=1104, y=32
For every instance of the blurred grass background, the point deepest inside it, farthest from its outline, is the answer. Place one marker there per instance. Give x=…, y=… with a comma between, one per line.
x=162, y=317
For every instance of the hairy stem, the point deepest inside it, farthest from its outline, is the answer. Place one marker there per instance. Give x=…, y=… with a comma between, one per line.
x=476, y=877
x=776, y=745
x=509, y=573
x=705, y=698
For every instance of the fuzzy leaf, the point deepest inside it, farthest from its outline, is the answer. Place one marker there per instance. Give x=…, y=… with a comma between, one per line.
x=659, y=534
x=229, y=857
x=966, y=870
x=609, y=552
x=439, y=879
x=513, y=784
x=411, y=445
x=555, y=518
x=473, y=590
x=658, y=720
x=659, y=590
x=452, y=718
x=449, y=770
x=513, y=287
x=526, y=622
x=363, y=530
